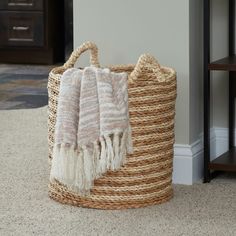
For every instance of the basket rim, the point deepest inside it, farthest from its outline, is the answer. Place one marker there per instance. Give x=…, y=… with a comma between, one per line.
x=169, y=72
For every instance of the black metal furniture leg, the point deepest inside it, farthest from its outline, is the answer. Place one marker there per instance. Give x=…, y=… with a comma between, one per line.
x=206, y=91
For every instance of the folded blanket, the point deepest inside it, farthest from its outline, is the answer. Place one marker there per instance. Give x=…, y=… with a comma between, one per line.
x=92, y=132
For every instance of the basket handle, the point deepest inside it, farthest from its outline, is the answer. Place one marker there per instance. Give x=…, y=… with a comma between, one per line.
x=147, y=64
x=84, y=47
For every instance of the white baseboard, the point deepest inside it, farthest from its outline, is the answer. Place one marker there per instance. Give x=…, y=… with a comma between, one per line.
x=222, y=141
x=188, y=163
x=188, y=159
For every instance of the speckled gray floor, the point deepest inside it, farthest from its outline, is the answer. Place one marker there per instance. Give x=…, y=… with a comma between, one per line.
x=25, y=209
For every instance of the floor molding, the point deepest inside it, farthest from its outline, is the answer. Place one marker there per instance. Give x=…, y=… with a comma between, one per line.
x=221, y=142
x=188, y=163
x=188, y=159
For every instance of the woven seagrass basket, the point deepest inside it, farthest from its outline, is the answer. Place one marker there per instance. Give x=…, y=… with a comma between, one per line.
x=146, y=178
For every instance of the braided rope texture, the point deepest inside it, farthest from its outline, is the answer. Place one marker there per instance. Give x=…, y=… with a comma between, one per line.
x=146, y=178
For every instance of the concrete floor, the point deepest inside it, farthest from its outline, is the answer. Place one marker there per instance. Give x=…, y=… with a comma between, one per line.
x=23, y=86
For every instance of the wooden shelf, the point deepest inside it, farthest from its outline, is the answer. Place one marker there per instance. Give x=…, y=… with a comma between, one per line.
x=227, y=64
x=225, y=162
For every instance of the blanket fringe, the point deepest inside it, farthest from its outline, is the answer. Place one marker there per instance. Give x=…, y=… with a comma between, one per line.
x=103, y=158
x=116, y=147
x=78, y=167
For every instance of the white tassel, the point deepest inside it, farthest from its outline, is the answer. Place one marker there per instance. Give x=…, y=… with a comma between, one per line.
x=102, y=160
x=70, y=158
x=129, y=141
x=116, y=147
x=88, y=170
x=62, y=156
x=55, y=165
x=109, y=151
x=123, y=148
x=79, y=172
x=96, y=156
x=63, y=163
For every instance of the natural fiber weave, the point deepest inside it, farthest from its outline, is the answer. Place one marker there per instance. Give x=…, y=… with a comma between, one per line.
x=146, y=178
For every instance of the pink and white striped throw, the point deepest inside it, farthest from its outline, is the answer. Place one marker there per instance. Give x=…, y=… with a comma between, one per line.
x=92, y=133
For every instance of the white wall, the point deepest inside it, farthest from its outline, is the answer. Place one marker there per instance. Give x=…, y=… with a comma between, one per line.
x=125, y=29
